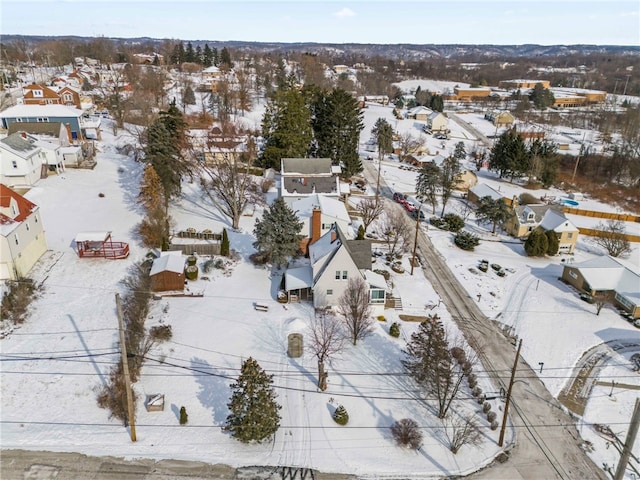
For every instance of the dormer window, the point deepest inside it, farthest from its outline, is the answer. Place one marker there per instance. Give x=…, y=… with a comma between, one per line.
x=38, y=93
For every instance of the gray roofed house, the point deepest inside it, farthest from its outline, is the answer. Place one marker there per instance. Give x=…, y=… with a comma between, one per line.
x=20, y=161
x=42, y=129
x=333, y=261
x=302, y=177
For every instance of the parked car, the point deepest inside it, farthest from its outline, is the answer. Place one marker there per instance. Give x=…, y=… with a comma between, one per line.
x=410, y=207
x=399, y=197
x=441, y=136
x=417, y=212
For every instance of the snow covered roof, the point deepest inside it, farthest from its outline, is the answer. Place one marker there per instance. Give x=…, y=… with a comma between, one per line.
x=556, y=221
x=328, y=205
x=306, y=166
x=484, y=190
x=299, y=277
x=168, y=261
x=374, y=279
x=609, y=273
x=23, y=208
x=92, y=236
x=19, y=145
x=41, y=110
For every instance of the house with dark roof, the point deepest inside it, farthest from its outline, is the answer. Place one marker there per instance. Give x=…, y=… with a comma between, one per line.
x=303, y=177
x=79, y=125
x=21, y=161
x=22, y=239
x=527, y=218
x=333, y=260
x=607, y=275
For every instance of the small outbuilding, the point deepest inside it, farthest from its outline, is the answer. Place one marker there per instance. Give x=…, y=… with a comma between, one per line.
x=167, y=272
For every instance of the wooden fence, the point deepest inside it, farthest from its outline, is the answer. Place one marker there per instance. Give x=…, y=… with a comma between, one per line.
x=606, y=215
x=592, y=232
x=197, y=248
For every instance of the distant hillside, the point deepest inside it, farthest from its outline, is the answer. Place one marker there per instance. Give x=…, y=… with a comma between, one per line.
x=399, y=51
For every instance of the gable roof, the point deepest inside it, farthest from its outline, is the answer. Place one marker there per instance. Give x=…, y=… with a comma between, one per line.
x=168, y=262
x=540, y=212
x=484, y=190
x=328, y=205
x=24, y=206
x=306, y=166
x=359, y=250
x=19, y=145
x=556, y=221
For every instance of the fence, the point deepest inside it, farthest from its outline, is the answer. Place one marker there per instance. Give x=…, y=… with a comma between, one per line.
x=592, y=232
x=198, y=249
x=206, y=242
x=607, y=215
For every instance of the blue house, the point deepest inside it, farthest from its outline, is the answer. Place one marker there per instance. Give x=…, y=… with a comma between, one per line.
x=79, y=125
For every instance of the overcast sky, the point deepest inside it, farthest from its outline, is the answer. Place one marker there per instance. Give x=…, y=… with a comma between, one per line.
x=504, y=22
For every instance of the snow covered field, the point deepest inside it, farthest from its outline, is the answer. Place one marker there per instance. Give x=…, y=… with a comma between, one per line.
x=52, y=365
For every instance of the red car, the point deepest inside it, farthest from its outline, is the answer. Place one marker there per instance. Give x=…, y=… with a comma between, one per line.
x=410, y=207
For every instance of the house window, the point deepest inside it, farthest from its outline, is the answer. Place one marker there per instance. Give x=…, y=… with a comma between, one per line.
x=530, y=229
x=37, y=93
x=337, y=274
x=344, y=274
x=377, y=296
x=573, y=274
x=48, y=101
x=17, y=241
x=14, y=164
x=68, y=97
x=329, y=292
x=19, y=120
x=27, y=226
x=569, y=235
x=42, y=119
x=326, y=226
x=36, y=219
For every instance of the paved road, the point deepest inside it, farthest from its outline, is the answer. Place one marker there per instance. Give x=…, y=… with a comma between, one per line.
x=547, y=443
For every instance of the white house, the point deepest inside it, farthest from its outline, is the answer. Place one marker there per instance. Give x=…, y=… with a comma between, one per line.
x=20, y=161
x=437, y=122
x=305, y=177
x=566, y=231
x=22, y=239
x=333, y=260
x=318, y=215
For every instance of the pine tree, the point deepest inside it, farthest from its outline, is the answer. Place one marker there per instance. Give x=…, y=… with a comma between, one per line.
x=510, y=156
x=286, y=127
x=190, y=54
x=537, y=243
x=207, y=56
x=553, y=244
x=188, y=96
x=460, y=152
x=225, y=58
x=278, y=233
x=151, y=191
x=198, y=55
x=337, y=125
x=449, y=179
x=254, y=411
x=224, y=245
x=492, y=210
x=184, y=418
x=428, y=183
x=383, y=134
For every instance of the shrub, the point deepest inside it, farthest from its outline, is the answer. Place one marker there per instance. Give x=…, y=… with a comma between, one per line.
x=394, y=329
x=453, y=221
x=406, y=433
x=491, y=416
x=481, y=398
x=161, y=333
x=381, y=318
x=458, y=354
x=473, y=383
x=476, y=392
x=340, y=416
x=259, y=258
x=384, y=273
x=16, y=301
x=527, y=199
x=191, y=260
x=184, y=418
x=219, y=264
x=494, y=424
x=486, y=407
x=438, y=222
x=208, y=265
x=361, y=233
x=537, y=243
x=467, y=367
x=224, y=245
x=466, y=241
x=191, y=272
x=472, y=377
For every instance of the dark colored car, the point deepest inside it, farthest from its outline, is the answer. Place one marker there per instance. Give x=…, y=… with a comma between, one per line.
x=399, y=197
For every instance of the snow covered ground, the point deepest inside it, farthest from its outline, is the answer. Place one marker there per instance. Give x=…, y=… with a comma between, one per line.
x=53, y=364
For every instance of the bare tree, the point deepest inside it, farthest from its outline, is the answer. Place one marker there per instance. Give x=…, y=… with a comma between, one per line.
x=369, y=209
x=613, y=238
x=460, y=430
x=354, y=306
x=406, y=433
x=396, y=231
x=326, y=340
x=227, y=181
x=601, y=299
x=410, y=144
x=450, y=178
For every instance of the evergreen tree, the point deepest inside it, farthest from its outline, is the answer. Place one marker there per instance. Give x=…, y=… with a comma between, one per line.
x=428, y=184
x=198, y=55
x=225, y=58
x=541, y=97
x=156, y=60
x=254, y=413
x=460, y=152
x=207, y=56
x=188, y=96
x=278, y=233
x=510, y=156
x=215, y=56
x=553, y=244
x=537, y=243
x=449, y=178
x=429, y=362
x=492, y=210
x=224, y=245
x=184, y=418
x=337, y=125
x=177, y=56
x=437, y=103
x=151, y=191
x=190, y=54
x=383, y=134
x=543, y=161
x=286, y=127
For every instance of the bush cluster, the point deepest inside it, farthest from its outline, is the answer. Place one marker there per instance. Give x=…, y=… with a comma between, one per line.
x=16, y=301
x=450, y=222
x=466, y=241
x=394, y=329
x=161, y=333
x=340, y=416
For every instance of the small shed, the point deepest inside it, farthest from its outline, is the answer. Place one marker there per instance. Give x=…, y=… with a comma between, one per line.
x=167, y=272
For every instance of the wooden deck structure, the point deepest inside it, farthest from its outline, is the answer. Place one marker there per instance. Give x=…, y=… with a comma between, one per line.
x=100, y=245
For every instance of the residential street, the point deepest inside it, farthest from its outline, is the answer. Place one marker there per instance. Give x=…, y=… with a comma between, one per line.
x=547, y=443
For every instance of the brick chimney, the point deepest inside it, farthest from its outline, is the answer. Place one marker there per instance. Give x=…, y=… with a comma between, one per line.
x=316, y=224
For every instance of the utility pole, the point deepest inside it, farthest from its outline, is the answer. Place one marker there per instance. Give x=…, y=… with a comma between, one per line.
x=125, y=369
x=415, y=240
x=508, y=400
x=625, y=85
x=628, y=443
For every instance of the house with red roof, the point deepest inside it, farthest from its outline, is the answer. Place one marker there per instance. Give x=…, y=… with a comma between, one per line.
x=22, y=239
